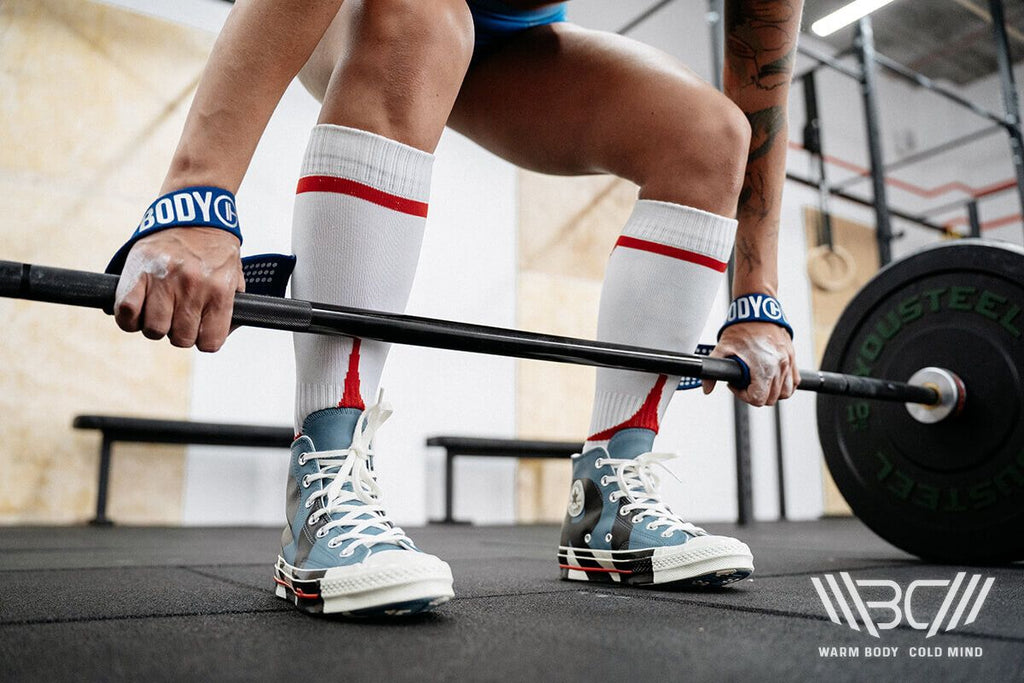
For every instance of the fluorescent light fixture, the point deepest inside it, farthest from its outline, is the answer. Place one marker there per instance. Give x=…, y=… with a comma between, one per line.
x=845, y=15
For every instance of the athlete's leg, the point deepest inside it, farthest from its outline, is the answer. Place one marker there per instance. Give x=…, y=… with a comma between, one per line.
x=561, y=99
x=566, y=100
x=388, y=72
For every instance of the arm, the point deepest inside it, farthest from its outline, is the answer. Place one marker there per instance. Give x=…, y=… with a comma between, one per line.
x=261, y=48
x=760, y=50
x=180, y=282
x=760, y=38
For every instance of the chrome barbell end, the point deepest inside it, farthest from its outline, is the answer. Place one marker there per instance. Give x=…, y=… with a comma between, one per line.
x=950, y=388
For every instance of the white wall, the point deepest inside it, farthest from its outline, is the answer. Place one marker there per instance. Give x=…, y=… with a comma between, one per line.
x=468, y=273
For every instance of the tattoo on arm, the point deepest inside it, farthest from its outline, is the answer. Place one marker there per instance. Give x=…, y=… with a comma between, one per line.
x=748, y=257
x=761, y=38
x=765, y=126
x=761, y=44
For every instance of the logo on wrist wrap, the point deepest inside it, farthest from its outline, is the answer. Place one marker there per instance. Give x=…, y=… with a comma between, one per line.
x=208, y=206
x=756, y=308
x=190, y=207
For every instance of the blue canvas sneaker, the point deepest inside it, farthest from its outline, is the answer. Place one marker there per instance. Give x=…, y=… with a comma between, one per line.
x=340, y=553
x=618, y=530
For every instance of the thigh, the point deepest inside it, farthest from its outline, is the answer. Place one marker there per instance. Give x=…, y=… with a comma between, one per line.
x=315, y=75
x=562, y=99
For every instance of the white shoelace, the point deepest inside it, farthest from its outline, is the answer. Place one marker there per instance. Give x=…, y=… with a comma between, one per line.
x=638, y=482
x=356, y=508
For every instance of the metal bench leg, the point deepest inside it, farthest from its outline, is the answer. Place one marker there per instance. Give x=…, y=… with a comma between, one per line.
x=104, y=478
x=449, y=489
x=449, y=482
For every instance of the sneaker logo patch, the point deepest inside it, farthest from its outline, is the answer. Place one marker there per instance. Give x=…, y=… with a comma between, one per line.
x=576, y=498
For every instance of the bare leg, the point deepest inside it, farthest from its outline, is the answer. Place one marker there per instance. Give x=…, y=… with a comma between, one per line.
x=566, y=100
x=393, y=68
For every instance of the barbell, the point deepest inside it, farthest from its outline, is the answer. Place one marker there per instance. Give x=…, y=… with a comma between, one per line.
x=933, y=462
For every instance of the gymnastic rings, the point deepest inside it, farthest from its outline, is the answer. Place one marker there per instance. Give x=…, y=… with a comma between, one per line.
x=831, y=268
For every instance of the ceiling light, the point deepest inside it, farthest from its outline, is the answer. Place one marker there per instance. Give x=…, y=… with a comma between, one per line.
x=845, y=15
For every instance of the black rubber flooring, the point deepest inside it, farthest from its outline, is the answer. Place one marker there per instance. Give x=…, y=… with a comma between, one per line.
x=197, y=604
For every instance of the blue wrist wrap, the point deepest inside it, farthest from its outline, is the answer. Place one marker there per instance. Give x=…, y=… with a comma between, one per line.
x=198, y=207
x=756, y=308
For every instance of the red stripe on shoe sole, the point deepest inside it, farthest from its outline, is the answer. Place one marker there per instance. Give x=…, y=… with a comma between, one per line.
x=326, y=183
x=672, y=252
x=596, y=569
x=295, y=590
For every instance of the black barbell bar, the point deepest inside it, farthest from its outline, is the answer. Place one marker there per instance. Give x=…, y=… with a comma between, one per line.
x=97, y=290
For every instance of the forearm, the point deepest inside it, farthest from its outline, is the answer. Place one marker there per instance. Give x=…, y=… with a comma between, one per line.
x=261, y=48
x=761, y=40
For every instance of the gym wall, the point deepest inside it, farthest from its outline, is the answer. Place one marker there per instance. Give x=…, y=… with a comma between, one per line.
x=93, y=100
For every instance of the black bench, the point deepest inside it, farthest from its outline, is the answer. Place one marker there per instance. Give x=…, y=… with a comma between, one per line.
x=502, y=448
x=151, y=430
x=146, y=430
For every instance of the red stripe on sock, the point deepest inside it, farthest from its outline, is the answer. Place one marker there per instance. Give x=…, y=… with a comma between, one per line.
x=645, y=418
x=672, y=252
x=326, y=183
x=352, y=397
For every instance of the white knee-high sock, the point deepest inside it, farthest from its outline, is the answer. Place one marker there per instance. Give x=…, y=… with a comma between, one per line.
x=360, y=212
x=659, y=286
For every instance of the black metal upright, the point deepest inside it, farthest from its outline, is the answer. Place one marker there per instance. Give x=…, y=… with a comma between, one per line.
x=741, y=414
x=973, y=218
x=1011, y=102
x=865, y=43
x=813, y=145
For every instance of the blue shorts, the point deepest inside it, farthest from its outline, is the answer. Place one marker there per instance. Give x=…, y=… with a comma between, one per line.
x=494, y=21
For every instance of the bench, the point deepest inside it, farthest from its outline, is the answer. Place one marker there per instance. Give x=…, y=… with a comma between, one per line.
x=455, y=446
x=148, y=430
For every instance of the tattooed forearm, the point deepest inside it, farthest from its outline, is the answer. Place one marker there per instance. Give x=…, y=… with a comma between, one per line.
x=748, y=256
x=760, y=41
x=756, y=197
x=765, y=126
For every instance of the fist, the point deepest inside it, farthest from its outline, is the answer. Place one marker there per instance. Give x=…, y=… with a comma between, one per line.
x=768, y=351
x=180, y=283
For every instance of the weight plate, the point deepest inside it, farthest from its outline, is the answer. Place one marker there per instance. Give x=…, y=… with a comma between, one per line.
x=951, y=491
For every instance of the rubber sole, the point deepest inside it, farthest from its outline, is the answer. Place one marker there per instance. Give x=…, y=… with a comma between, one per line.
x=357, y=591
x=704, y=562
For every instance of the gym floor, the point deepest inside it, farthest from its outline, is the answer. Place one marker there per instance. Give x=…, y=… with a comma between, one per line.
x=131, y=603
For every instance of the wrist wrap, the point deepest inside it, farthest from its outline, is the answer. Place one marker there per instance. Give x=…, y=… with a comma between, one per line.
x=756, y=308
x=197, y=207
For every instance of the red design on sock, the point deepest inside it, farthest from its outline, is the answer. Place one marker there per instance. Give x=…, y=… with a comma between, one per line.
x=324, y=183
x=352, y=398
x=645, y=418
x=672, y=252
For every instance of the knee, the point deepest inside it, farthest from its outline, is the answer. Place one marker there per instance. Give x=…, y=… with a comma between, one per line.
x=729, y=133
x=396, y=67
x=437, y=34
x=701, y=163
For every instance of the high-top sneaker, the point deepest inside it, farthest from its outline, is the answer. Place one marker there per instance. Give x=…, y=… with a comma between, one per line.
x=340, y=551
x=617, y=528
